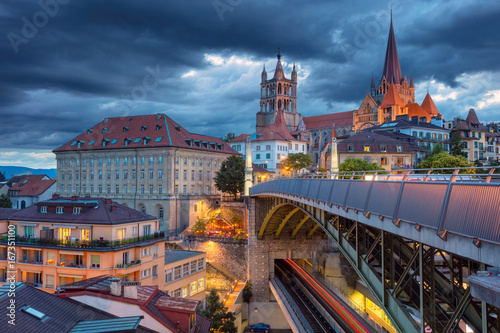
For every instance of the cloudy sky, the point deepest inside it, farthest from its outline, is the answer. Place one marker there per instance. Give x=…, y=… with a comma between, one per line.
x=67, y=64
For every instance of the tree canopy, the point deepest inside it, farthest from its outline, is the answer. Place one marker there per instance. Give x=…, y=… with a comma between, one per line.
x=297, y=161
x=445, y=160
x=5, y=201
x=231, y=176
x=456, y=144
x=222, y=320
x=229, y=136
x=358, y=164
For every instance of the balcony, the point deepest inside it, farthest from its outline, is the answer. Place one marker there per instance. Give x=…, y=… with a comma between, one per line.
x=95, y=245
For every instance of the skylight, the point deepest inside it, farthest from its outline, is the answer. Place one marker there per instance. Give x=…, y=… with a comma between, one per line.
x=158, y=139
x=74, y=143
x=91, y=142
x=35, y=313
x=114, y=141
x=137, y=140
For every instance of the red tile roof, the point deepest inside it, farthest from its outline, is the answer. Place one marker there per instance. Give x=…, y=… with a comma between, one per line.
x=373, y=140
x=240, y=138
x=392, y=98
x=31, y=186
x=277, y=131
x=415, y=110
x=260, y=169
x=429, y=106
x=327, y=120
x=156, y=130
x=93, y=211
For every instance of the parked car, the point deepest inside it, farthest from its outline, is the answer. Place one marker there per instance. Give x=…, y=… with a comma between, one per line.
x=260, y=327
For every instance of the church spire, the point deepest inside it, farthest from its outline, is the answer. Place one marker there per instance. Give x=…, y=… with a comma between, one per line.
x=373, y=82
x=278, y=73
x=264, y=74
x=392, y=69
x=294, y=73
x=411, y=81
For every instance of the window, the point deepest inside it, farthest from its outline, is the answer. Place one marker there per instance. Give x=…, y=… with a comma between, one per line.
x=108, y=174
x=185, y=161
x=169, y=276
x=193, y=266
x=100, y=174
x=64, y=234
x=208, y=175
x=43, y=209
x=59, y=210
x=185, y=270
x=134, y=161
x=192, y=161
x=185, y=291
x=151, y=160
x=257, y=148
x=150, y=189
x=160, y=159
x=192, y=288
x=475, y=144
x=100, y=189
x=177, y=160
x=62, y=162
x=69, y=175
x=142, y=160
x=29, y=232
x=69, y=189
x=125, y=189
x=108, y=189
x=399, y=148
x=85, y=175
x=95, y=261
x=51, y=258
x=184, y=175
x=201, y=264
x=176, y=174
x=117, y=161
x=49, y=281
x=155, y=250
x=109, y=161
x=145, y=251
x=151, y=172
x=176, y=189
x=268, y=156
x=133, y=174
x=257, y=156
x=201, y=284
x=120, y=234
x=125, y=160
x=62, y=188
x=142, y=174
x=200, y=162
x=383, y=148
x=383, y=161
x=177, y=272
x=160, y=174
x=142, y=189
x=160, y=190
x=125, y=174
x=268, y=147
x=184, y=190
x=366, y=148
x=155, y=271
x=117, y=176
x=117, y=189
x=192, y=189
x=62, y=175
x=146, y=273
x=77, y=210
x=200, y=176
x=146, y=230
x=192, y=174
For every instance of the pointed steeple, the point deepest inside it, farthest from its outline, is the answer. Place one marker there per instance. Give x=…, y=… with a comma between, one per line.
x=392, y=69
x=411, y=81
x=429, y=106
x=278, y=73
x=373, y=82
x=264, y=74
x=294, y=73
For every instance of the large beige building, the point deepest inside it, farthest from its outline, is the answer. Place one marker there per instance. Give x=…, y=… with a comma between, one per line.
x=149, y=163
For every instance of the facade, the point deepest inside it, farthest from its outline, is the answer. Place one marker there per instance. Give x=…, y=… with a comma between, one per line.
x=185, y=274
x=278, y=93
x=38, y=311
x=149, y=163
x=319, y=129
x=393, y=96
x=473, y=133
x=31, y=189
x=492, y=142
x=378, y=148
x=428, y=134
x=159, y=312
x=66, y=240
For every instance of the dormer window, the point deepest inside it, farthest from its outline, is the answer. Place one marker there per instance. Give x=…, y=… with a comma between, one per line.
x=366, y=148
x=143, y=128
x=350, y=148
x=89, y=131
x=105, y=142
x=383, y=148
x=59, y=210
x=146, y=140
x=43, y=209
x=158, y=127
x=104, y=130
x=399, y=148
x=125, y=129
x=177, y=128
x=127, y=141
x=77, y=210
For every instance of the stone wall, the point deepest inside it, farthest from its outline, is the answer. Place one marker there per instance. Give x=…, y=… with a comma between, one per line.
x=227, y=252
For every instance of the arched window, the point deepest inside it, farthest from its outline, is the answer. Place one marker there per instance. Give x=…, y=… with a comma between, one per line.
x=279, y=88
x=23, y=204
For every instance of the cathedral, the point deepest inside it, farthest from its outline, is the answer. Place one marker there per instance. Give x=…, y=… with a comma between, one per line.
x=394, y=96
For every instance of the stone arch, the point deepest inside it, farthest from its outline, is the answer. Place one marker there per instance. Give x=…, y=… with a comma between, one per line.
x=160, y=212
x=141, y=208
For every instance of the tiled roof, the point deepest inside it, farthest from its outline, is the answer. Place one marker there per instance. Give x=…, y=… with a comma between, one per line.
x=240, y=138
x=415, y=110
x=374, y=141
x=176, y=255
x=429, y=106
x=62, y=314
x=402, y=123
x=327, y=120
x=260, y=169
x=5, y=213
x=93, y=211
x=31, y=186
x=392, y=98
x=276, y=131
x=156, y=130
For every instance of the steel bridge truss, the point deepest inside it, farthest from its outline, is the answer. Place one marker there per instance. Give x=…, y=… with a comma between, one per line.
x=403, y=275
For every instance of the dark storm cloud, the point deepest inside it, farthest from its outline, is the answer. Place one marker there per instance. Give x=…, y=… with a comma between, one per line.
x=93, y=59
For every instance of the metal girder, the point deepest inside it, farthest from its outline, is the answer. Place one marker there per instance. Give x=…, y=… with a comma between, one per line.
x=297, y=228
x=459, y=311
x=405, y=272
x=310, y=233
x=284, y=221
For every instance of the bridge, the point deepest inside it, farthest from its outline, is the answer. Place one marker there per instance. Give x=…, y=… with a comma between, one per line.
x=413, y=238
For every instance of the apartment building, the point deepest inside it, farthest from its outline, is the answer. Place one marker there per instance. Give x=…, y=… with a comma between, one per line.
x=68, y=239
x=473, y=134
x=185, y=274
x=149, y=163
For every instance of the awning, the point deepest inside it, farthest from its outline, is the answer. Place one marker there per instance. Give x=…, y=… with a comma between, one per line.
x=27, y=224
x=65, y=226
x=71, y=276
x=84, y=226
x=74, y=253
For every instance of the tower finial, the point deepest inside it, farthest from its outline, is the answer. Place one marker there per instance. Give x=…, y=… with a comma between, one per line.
x=279, y=54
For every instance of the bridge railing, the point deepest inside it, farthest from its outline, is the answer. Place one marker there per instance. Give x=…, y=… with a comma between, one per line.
x=448, y=201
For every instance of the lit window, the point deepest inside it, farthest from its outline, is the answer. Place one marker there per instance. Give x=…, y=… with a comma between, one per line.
x=399, y=148
x=366, y=148
x=121, y=234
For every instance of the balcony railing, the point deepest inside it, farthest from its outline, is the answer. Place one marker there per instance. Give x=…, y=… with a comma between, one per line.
x=93, y=244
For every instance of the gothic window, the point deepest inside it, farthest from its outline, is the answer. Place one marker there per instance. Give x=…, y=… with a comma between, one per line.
x=279, y=104
x=279, y=88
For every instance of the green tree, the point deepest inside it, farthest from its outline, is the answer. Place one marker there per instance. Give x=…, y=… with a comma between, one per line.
x=358, y=164
x=457, y=145
x=231, y=176
x=297, y=161
x=200, y=226
x=436, y=149
x=247, y=293
x=445, y=160
x=222, y=320
x=229, y=136
x=5, y=201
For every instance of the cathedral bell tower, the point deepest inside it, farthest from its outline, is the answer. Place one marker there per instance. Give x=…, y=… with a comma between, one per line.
x=278, y=93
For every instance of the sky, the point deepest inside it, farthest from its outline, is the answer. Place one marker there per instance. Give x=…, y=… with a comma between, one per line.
x=66, y=64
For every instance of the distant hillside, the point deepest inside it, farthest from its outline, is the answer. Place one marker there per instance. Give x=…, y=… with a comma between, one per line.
x=8, y=171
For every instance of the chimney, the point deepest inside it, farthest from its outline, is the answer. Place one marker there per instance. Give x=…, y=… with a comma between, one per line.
x=107, y=201
x=113, y=208
x=74, y=198
x=130, y=289
x=116, y=286
x=55, y=196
